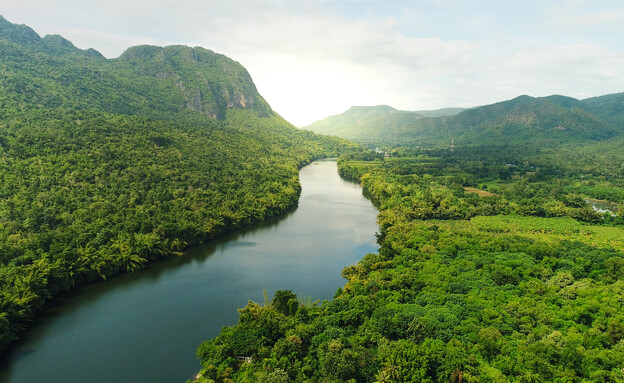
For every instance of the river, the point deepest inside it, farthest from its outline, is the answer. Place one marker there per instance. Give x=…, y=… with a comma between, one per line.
x=602, y=206
x=146, y=326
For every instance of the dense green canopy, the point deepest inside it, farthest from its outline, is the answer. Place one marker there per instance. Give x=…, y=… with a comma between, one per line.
x=492, y=268
x=545, y=121
x=108, y=164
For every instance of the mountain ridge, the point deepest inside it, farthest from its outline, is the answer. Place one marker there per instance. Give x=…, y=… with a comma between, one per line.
x=106, y=164
x=365, y=118
x=522, y=120
x=27, y=38
x=186, y=79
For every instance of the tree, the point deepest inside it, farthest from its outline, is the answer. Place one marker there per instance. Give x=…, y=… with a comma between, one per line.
x=281, y=301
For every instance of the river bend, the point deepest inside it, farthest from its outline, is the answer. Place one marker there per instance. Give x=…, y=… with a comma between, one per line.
x=146, y=326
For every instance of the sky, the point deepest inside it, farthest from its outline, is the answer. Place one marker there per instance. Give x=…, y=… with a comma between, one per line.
x=314, y=58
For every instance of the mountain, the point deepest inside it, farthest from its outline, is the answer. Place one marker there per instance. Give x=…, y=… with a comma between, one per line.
x=364, y=122
x=368, y=123
x=609, y=107
x=26, y=38
x=108, y=164
x=440, y=112
x=207, y=82
x=51, y=71
x=20, y=34
x=524, y=120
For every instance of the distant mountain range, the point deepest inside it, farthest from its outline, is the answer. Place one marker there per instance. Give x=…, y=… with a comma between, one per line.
x=524, y=120
x=372, y=122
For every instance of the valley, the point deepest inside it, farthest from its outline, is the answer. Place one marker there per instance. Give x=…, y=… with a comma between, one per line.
x=106, y=165
x=522, y=121
x=523, y=283
x=160, y=184
x=148, y=324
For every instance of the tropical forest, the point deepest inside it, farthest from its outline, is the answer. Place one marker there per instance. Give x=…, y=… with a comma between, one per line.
x=500, y=235
x=100, y=179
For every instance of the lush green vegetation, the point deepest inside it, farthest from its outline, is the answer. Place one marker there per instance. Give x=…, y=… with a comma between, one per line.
x=544, y=122
x=108, y=164
x=491, y=267
x=145, y=80
x=523, y=285
x=370, y=123
x=365, y=123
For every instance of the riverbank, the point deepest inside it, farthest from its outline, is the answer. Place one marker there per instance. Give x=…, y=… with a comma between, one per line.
x=603, y=206
x=146, y=326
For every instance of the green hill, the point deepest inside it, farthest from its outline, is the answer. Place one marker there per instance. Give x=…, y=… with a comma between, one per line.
x=144, y=80
x=440, y=112
x=368, y=123
x=530, y=121
x=524, y=120
x=364, y=122
x=609, y=107
x=199, y=79
x=108, y=164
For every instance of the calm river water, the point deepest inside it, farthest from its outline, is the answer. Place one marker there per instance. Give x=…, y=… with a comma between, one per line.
x=146, y=326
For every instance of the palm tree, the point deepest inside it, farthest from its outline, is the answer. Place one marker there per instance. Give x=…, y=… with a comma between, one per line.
x=382, y=377
x=126, y=258
x=389, y=374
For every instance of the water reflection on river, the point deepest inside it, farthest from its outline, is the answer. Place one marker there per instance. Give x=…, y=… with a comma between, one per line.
x=146, y=326
x=602, y=206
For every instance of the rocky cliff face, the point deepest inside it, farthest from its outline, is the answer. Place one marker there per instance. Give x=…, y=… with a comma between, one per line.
x=209, y=83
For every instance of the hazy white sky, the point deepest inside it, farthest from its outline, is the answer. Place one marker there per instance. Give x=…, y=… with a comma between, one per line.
x=315, y=58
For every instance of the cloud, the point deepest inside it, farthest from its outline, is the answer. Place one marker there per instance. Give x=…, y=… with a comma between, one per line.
x=575, y=14
x=313, y=58
x=311, y=64
x=566, y=69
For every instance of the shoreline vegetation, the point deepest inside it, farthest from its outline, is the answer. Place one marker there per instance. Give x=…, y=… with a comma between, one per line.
x=521, y=286
x=107, y=164
x=126, y=191
x=492, y=265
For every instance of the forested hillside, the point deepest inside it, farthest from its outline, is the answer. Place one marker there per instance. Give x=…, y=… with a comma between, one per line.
x=147, y=80
x=492, y=268
x=544, y=122
x=369, y=123
x=362, y=122
x=108, y=164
